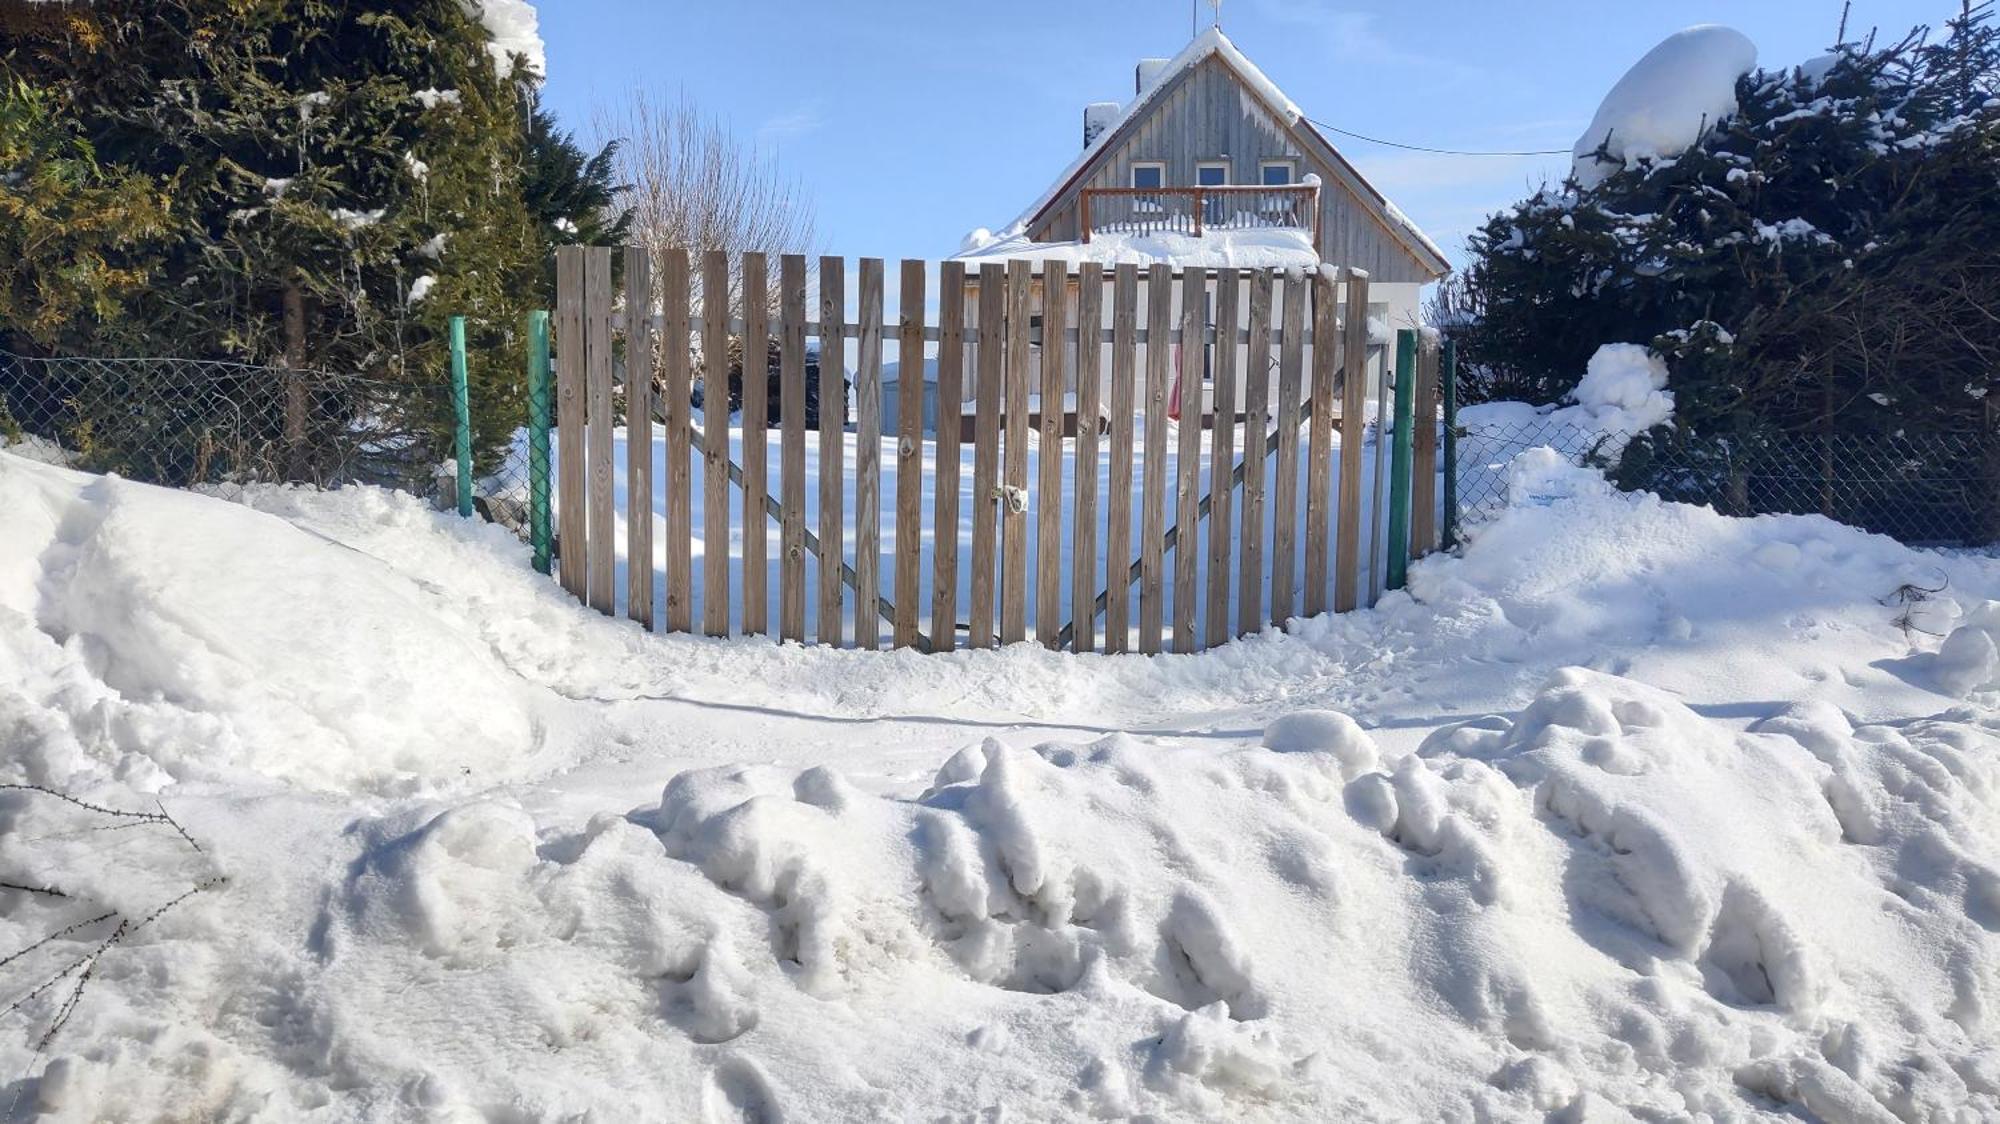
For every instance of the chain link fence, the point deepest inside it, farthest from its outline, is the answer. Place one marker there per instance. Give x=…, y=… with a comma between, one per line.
x=1939, y=489
x=191, y=423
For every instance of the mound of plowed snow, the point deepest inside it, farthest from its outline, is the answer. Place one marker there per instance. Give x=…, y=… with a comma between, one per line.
x=1633, y=810
x=193, y=635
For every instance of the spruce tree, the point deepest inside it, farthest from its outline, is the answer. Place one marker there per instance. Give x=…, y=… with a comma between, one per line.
x=340, y=178
x=1819, y=262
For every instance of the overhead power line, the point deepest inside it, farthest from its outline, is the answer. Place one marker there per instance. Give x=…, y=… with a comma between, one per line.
x=1437, y=151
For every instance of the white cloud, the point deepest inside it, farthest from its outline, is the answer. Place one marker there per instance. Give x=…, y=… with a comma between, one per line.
x=788, y=126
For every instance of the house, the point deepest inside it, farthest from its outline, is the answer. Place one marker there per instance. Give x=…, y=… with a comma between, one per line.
x=1210, y=164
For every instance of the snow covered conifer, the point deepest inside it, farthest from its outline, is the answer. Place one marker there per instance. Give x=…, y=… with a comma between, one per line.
x=339, y=179
x=1816, y=260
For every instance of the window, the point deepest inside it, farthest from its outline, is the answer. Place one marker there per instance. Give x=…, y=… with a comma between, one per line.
x=1276, y=173
x=1148, y=175
x=1212, y=173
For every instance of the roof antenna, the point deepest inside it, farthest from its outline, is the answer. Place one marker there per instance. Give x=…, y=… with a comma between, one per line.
x=1216, y=6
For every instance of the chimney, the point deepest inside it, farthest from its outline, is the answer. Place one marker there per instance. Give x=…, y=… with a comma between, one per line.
x=1144, y=74
x=1097, y=117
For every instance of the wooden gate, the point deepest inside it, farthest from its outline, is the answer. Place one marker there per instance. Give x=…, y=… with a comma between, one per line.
x=1066, y=396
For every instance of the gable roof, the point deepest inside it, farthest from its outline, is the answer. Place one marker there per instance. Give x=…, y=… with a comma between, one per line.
x=1213, y=43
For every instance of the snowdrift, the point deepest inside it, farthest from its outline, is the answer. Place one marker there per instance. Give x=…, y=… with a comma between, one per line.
x=1631, y=810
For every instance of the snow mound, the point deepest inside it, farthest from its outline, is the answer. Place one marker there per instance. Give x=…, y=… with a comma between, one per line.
x=1630, y=810
x=1663, y=104
x=1969, y=659
x=1623, y=392
x=1606, y=897
x=1624, y=389
x=154, y=610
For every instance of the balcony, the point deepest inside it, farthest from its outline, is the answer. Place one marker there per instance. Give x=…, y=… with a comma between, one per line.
x=1192, y=210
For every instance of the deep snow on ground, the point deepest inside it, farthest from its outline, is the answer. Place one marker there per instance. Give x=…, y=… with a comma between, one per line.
x=1632, y=810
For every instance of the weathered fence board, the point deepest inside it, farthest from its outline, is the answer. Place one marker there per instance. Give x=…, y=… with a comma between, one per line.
x=951, y=370
x=1319, y=442
x=1048, y=486
x=1256, y=419
x=991, y=365
x=909, y=454
x=639, y=441
x=1221, y=454
x=1039, y=335
x=1187, y=457
x=1285, y=476
x=571, y=379
x=602, y=550
x=1089, y=387
x=792, y=446
x=1153, y=491
x=1014, y=474
x=715, y=442
x=1118, y=531
x=756, y=404
x=832, y=446
x=677, y=388
x=868, y=460
x=1353, y=405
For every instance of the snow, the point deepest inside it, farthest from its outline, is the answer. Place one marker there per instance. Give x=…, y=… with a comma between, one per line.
x=1969, y=658
x=514, y=29
x=421, y=288
x=357, y=220
x=1243, y=248
x=434, y=97
x=1624, y=387
x=1623, y=392
x=1666, y=100
x=1632, y=810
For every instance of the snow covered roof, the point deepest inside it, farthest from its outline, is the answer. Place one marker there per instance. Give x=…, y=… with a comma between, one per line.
x=1249, y=248
x=1213, y=43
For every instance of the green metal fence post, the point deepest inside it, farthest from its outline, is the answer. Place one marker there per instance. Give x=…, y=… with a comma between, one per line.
x=1448, y=362
x=1402, y=457
x=538, y=436
x=461, y=404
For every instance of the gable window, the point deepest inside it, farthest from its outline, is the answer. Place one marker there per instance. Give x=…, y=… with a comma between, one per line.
x=1276, y=173
x=1148, y=175
x=1212, y=173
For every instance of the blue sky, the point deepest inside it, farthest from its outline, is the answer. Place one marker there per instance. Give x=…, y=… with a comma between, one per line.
x=912, y=122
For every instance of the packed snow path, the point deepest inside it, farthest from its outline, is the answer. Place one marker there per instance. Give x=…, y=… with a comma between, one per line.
x=1633, y=810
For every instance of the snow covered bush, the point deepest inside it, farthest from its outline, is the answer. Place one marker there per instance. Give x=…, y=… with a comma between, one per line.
x=1809, y=247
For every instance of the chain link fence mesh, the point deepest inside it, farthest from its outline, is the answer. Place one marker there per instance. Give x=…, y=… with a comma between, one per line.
x=191, y=423
x=1939, y=489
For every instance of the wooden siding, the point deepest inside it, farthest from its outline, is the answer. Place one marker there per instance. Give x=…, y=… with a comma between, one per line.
x=1206, y=114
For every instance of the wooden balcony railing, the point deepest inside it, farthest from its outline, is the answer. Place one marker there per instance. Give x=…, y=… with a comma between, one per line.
x=1192, y=210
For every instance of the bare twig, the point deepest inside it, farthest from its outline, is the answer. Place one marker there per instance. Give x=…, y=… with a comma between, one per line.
x=86, y=805
x=58, y=935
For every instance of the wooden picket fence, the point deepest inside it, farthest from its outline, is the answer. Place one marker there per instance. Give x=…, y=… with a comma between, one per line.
x=1015, y=329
